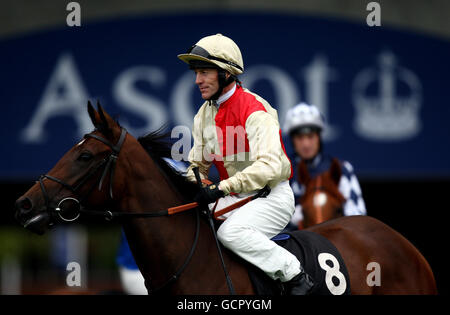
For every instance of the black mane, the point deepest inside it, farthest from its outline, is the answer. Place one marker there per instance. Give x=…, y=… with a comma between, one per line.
x=158, y=146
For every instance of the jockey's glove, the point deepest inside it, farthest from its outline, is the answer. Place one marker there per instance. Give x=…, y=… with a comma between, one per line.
x=209, y=194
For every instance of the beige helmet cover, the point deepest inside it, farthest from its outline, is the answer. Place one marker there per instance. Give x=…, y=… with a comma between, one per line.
x=218, y=46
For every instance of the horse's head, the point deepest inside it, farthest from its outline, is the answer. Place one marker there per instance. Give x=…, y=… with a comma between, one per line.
x=322, y=200
x=86, y=174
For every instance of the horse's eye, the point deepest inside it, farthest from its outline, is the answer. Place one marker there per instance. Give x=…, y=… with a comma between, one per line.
x=85, y=157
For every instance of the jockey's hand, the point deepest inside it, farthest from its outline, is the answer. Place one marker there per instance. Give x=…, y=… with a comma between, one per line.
x=209, y=194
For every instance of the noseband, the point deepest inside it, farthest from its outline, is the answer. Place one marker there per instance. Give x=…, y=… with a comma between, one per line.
x=109, y=164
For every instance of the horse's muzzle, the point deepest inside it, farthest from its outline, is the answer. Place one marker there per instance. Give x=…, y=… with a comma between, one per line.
x=29, y=219
x=23, y=206
x=38, y=223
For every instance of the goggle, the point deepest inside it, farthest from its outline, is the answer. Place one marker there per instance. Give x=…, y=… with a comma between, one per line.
x=303, y=130
x=199, y=51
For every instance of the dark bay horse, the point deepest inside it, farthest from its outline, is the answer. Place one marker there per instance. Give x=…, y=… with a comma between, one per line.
x=322, y=200
x=111, y=171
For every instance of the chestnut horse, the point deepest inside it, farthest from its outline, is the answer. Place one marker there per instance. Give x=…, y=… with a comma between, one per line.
x=322, y=200
x=110, y=171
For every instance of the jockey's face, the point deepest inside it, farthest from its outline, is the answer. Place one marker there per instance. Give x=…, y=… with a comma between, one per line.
x=306, y=145
x=207, y=81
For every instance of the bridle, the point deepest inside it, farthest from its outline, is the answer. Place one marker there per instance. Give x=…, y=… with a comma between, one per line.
x=109, y=164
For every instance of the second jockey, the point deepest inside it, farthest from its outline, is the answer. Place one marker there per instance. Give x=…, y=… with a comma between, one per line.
x=304, y=124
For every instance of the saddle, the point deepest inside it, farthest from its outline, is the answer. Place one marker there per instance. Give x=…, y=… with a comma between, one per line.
x=319, y=258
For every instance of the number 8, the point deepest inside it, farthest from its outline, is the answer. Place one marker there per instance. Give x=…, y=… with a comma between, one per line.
x=332, y=272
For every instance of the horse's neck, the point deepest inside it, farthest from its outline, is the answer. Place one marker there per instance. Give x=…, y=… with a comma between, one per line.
x=161, y=245
x=158, y=244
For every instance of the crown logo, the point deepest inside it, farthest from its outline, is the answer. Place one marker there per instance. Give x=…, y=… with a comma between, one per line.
x=387, y=100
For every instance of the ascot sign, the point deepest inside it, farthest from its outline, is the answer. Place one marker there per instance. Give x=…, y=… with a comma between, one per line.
x=384, y=117
x=155, y=111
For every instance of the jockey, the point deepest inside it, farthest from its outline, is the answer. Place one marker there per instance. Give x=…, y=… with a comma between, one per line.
x=304, y=124
x=238, y=132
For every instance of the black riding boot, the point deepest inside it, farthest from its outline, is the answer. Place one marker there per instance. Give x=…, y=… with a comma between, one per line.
x=301, y=284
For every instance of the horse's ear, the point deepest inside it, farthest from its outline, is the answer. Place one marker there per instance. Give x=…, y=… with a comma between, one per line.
x=92, y=114
x=303, y=174
x=105, y=125
x=335, y=171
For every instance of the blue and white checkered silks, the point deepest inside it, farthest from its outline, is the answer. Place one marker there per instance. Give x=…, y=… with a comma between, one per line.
x=348, y=186
x=351, y=190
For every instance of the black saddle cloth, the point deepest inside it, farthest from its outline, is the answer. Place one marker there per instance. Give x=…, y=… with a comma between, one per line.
x=318, y=257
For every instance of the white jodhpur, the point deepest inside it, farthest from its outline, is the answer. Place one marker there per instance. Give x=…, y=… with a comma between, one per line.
x=248, y=229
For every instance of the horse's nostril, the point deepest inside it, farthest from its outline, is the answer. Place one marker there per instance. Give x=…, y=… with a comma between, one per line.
x=24, y=204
